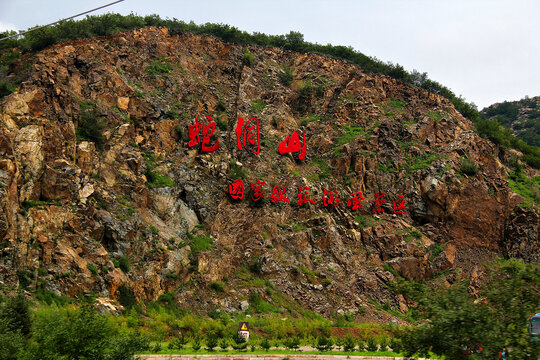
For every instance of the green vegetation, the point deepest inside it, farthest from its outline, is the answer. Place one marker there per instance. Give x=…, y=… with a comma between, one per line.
x=235, y=171
x=171, y=328
x=502, y=136
x=435, y=115
x=421, y=162
x=458, y=323
x=217, y=286
x=325, y=169
x=248, y=57
x=90, y=126
x=523, y=117
x=305, y=92
x=366, y=221
x=413, y=234
x=27, y=204
x=529, y=188
x=157, y=68
x=393, y=107
x=8, y=58
x=310, y=118
x=92, y=268
x=258, y=106
x=351, y=132
x=199, y=244
x=260, y=305
x=62, y=333
x=436, y=249
x=154, y=179
x=285, y=76
x=468, y=167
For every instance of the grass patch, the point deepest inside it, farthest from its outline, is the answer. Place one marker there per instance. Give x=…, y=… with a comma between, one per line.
x=351, y=132
x=248, y=57
x=436, y=116
x=199, y=244
x=325, y=169
x=529, y=188
x=27, y=204
x=259, y=305
x=413, y=234
x=258, y=106
x=157, y=68
x=436, y=249
x=310, y=118
x=468, y=167
x=285, y=76
x=154, y=179
x=365, y=221
x=90, y=125
x=421, y=162
x=393, y=107
x=236, y=172
x=92, y=268
x=217, y=286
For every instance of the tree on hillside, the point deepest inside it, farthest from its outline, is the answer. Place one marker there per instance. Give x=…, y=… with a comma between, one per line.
x=455, y=325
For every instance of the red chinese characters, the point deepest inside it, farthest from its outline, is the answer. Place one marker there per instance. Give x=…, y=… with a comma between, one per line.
x=279, y=194
x=329, y=198
x=258, y=194
x=244, y=135
x=292, y=144
x=303, y=196
x=354, y=201
x=236, y=189
x=400, y=206
x=207, y=133
x=377, y=206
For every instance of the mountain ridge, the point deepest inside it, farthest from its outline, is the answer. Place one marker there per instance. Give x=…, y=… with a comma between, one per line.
x=102, y=193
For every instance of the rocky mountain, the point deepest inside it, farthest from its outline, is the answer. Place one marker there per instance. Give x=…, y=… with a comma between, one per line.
x=521, y=117
x=106, y=186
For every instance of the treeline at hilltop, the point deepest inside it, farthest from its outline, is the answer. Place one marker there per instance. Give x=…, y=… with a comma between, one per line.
x=107, y=24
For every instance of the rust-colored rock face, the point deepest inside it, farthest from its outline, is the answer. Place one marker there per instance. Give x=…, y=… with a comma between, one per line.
x=100, y=191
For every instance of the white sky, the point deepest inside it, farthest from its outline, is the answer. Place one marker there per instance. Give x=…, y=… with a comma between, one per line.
x=485, y=50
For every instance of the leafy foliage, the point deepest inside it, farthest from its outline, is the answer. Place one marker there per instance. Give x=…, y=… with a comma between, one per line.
x=157, y=68
x=179, y=342
x=285, y=76
x=217, y=286
x=529, y=188
x=15, y=315
x=211, y=341
x=90, y=126
x=248, y=57
x=154, y=179
x=371, y=344
x=324, y=343
x=468, y=167
x=265, y=344
x=240, y=343
x=80, y=334
x=349, y=343
x=457, y=325
x=292, y=343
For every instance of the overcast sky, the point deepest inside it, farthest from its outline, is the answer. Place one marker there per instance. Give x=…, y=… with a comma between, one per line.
x=485, y=50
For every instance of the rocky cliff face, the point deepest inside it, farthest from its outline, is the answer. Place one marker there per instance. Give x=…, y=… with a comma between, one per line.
x=100, y=191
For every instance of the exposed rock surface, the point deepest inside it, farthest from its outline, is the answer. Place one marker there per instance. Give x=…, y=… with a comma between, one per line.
x=130, y=208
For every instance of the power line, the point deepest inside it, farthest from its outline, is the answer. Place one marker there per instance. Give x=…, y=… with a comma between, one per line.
x=56, y=22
